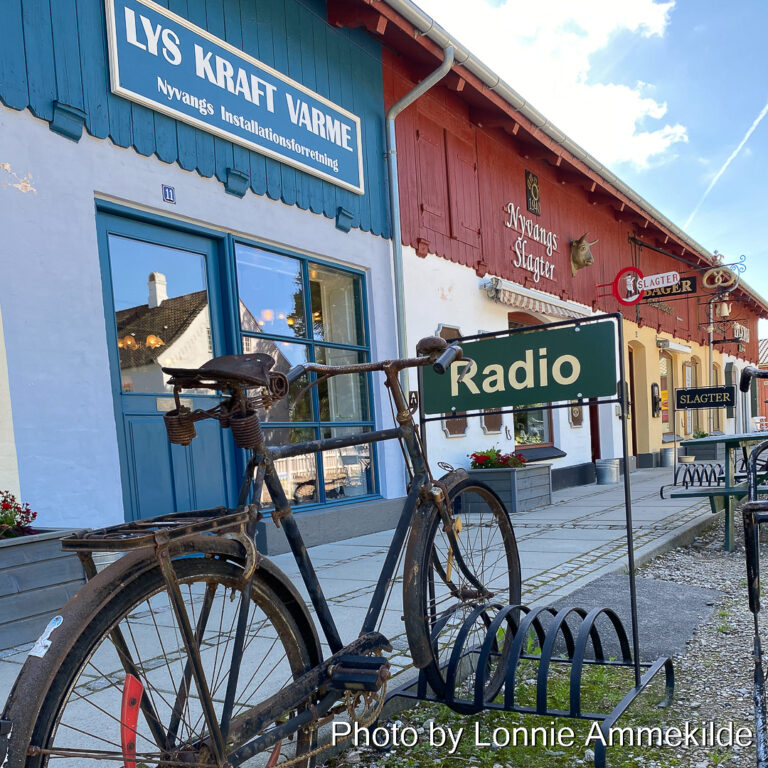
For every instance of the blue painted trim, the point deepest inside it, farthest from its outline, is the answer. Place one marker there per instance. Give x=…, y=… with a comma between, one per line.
x=236, y=183
x=344, y=219
x=67, y=121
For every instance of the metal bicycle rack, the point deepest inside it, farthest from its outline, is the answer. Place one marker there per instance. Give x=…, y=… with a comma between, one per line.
x=567, y=637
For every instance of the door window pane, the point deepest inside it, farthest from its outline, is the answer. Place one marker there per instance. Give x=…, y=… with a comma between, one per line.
x=286, y=355
x=161, y=311
x=342, y=398
x=335, y=299
x=347, y=472
x=271, y=292
x=665, y=385
x=298, y=474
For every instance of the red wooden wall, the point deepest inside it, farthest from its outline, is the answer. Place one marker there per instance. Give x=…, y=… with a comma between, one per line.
x=456, y=178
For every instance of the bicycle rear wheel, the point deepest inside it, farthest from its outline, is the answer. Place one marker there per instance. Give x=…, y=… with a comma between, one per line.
x=82, y=720
x=439, y=594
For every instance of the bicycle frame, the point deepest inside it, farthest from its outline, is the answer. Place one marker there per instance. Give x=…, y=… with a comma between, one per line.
x=261, y=473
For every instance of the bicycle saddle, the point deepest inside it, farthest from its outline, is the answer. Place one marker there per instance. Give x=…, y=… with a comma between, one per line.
x=226, y=372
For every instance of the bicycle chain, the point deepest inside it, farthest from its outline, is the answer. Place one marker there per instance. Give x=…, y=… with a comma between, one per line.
x=363, y=723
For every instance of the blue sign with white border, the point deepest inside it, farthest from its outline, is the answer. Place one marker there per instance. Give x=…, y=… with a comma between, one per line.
x=168, y=64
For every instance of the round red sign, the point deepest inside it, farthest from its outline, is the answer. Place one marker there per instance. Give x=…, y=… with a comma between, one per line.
x=627, y=286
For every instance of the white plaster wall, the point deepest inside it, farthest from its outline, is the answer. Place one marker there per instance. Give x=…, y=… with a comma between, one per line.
x=9, y=470
x=439, y=291
x=51, y=294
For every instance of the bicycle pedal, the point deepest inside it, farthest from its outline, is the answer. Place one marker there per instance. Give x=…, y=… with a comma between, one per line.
x=359, y=673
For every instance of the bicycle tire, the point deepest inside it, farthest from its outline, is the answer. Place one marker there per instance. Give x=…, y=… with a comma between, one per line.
x=489, y=549
x=81, y=708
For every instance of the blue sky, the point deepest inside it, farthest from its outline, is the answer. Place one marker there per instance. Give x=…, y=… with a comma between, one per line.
x=663, y=93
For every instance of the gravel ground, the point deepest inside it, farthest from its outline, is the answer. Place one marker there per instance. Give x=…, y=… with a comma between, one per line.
x=714, y=675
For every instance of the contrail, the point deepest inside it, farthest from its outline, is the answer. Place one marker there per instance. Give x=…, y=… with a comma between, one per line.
x=727, y=163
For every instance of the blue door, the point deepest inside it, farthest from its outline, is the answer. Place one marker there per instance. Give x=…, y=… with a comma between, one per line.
x=163, y=308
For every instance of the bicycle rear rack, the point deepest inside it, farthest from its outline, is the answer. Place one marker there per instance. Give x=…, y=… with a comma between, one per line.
x=466, y=677
x=173, y=527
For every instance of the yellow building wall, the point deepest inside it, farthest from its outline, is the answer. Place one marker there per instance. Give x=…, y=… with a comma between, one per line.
x=646, y=357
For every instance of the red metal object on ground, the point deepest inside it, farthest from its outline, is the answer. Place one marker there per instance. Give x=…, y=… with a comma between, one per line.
x=129, y=718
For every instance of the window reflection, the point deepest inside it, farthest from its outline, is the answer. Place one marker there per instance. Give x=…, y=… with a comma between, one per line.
x=298, y=474
x=335, y=306
x=161, y=311
x=286, y=355
x=271, y=292
x=342, y=398
x=347, y=472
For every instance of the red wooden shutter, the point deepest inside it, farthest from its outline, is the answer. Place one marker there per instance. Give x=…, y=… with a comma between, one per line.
x=433, y=189
x=463, y=190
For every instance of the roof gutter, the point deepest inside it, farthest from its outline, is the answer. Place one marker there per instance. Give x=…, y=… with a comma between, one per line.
x=430, y=28
x=394, y=193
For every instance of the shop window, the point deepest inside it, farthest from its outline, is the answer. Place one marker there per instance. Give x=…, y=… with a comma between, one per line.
x=532, y=426
x=300, y=311
x=453, y=426
x=666, y=385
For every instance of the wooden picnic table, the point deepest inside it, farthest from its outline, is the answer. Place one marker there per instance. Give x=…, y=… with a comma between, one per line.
x=725, y=496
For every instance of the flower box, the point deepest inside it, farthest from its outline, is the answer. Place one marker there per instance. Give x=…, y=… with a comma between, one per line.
x=36, y=580
x=520, y=489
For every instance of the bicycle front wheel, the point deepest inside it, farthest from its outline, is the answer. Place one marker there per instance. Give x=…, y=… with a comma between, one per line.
x=133, y=651
x=443, y=589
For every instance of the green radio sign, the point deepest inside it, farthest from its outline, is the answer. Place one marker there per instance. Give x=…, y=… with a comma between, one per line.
x=536, y=366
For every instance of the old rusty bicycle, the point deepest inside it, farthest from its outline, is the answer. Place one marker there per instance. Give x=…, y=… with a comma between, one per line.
x=194, y=649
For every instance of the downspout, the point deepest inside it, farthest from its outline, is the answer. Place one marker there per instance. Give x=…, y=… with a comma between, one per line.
x=394, y=197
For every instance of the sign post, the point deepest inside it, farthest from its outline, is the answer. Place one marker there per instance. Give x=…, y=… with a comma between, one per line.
x=546, y=367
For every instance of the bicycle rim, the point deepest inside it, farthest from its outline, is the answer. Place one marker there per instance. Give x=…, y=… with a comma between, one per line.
x=443, y=597
x=83, y=721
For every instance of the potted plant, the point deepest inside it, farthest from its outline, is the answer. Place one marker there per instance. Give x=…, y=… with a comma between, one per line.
x=36, y=577
x=521, y=486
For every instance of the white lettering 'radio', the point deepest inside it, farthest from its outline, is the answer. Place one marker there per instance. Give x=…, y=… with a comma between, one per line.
x=521, y=374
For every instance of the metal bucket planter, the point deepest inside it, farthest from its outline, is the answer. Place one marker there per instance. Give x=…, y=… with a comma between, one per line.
x=607, y=471
x=667, y=457
x=520, y=489
x=36, y=580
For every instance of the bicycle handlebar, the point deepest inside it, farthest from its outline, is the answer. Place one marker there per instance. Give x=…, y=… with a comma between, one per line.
x=451, y=354
x=295, y=373
x=747, y=374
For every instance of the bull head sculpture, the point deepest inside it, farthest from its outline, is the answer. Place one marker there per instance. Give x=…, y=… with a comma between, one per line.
x=581, y=256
